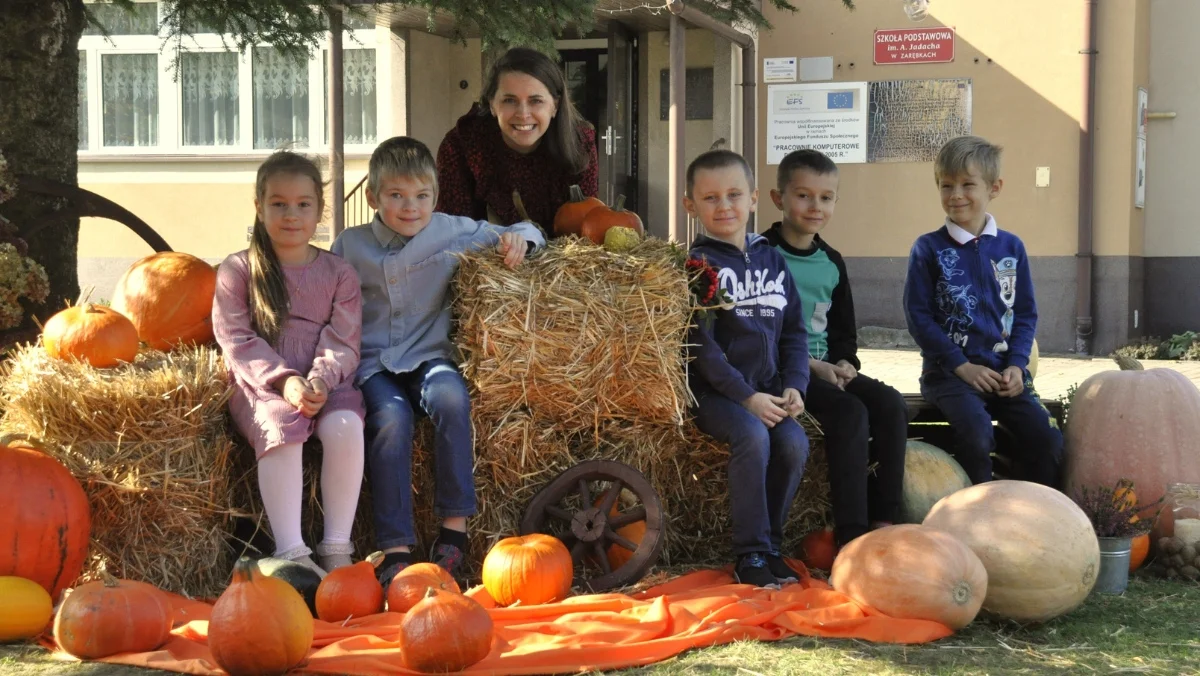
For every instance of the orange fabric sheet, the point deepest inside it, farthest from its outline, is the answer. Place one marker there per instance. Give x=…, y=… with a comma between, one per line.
x=581, y=633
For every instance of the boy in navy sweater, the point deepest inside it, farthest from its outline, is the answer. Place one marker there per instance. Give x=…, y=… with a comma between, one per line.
x=968, y=299
x=865, y=421
x=750, y=367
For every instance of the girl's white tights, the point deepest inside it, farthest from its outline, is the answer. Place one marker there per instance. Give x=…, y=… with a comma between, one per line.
x=281, y=484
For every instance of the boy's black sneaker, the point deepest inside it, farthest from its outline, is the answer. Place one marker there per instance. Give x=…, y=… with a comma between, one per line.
x=779, y=568
x=752, y=569
x=451, y=559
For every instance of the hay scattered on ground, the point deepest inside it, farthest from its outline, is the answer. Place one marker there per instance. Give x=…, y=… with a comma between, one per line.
x=577, y=336
x=147, y=442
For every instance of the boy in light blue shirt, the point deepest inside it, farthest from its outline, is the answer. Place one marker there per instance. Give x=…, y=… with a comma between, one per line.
x=405, y=260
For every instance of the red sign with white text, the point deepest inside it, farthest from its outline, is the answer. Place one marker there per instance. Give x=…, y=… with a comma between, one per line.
x=914, y=45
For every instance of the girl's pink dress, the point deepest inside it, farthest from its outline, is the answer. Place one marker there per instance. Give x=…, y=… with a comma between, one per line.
x=320, y=339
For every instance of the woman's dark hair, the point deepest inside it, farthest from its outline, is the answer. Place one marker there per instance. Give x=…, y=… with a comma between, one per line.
x=562, y=138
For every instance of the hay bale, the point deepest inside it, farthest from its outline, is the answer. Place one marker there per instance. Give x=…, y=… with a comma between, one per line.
x=148, y=443
x=577, y=336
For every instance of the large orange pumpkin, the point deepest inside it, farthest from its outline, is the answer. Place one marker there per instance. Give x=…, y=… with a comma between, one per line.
x=351, y=591
x=599, y=220
x=99, y=335
x=409, y=586
x=259, y=625
x=1038, y=547
x=912, y=572
x=111, y=616
x=569, y=218
x=169, y=298
x=47, y=520
x=1139, y=549
x=532, y=569
x=1143, y=426
x=445, y=633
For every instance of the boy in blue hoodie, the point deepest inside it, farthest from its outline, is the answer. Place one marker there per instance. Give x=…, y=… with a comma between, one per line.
x=750, y=366
x=968, y=299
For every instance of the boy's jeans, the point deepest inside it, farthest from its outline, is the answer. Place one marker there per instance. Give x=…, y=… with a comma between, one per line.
x=1039, y=446
x=765, y=468
x=394, y=402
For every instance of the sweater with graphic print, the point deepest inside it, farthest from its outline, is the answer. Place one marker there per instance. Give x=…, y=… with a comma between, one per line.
x=759, y=345
x=824, y=286
x=970, y=299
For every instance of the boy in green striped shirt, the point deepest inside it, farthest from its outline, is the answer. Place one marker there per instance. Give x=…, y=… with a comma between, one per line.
x=864, y=420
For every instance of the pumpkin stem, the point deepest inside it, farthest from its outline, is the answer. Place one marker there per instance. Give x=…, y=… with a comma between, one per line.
x=577, y=194
x=374, y=558
x=620, y=205
x=245, y=570
x=106, y=577
x=430, y=592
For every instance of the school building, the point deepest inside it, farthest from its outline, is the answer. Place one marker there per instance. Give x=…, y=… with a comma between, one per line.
x=1090, y=100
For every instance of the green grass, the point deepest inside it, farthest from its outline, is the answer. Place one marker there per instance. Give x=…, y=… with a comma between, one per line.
x=1154, y=628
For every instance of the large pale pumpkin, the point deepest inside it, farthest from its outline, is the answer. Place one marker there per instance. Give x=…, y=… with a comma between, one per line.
x=930, y=474
x=25, y=608
x=532, y=569
x=913, y=572
x=47, y=520
x=1138, y=425
x=169, y=298
x=1038, y=547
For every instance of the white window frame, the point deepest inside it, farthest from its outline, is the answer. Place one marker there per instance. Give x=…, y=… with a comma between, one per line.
x=170, y=96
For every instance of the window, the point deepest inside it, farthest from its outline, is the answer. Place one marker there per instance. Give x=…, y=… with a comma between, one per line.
x=209, y=104
x=134, y=101
x=141, y=19
x=280, y=99
x=358, y=96
x=129, y=90
x=83, y=102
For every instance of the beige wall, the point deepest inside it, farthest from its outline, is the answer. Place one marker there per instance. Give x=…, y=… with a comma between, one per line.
x=436, y=67
x=1171, y=221
x=1023, y=60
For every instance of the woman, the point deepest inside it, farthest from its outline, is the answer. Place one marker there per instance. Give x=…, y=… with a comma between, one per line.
x=524, y=135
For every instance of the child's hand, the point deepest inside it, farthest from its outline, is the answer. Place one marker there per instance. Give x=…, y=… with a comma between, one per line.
x=296, y=391
x=1013, y=382
x=512, y=246
x=825, y=371
x=982, y=378
x=766, y=407
x=793, y=403
x=847, y=372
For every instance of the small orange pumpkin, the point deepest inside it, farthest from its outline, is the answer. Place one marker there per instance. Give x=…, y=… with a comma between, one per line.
x=598, y=221
x=169, y=298
x=47, y=522
x=259, y=625
x=352, y=591
x=409, y=586
x=99, y=335
x=818, y=549
x=569, y=218
x=532, y=569
x=634, y=532
x=445, y=633
x=111, y=616
x=1139, y=549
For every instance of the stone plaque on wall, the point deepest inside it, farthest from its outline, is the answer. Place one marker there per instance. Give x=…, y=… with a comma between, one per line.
x=910, y=120
x=698, y=96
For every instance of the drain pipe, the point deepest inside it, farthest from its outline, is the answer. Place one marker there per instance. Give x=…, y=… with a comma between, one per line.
x=1087, y=177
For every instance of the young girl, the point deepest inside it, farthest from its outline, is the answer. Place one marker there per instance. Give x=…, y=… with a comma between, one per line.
x=288, y=317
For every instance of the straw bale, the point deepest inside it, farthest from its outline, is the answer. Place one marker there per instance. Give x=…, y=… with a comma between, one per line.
x=577, y=335
x=147, y=442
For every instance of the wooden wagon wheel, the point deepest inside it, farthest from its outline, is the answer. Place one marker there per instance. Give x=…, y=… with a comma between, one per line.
x=567, y=509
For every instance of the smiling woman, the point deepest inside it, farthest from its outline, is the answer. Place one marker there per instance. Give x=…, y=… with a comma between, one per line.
x=524, y=135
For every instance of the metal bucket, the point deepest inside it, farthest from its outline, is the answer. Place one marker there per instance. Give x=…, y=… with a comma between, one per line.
x=1114, y=566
